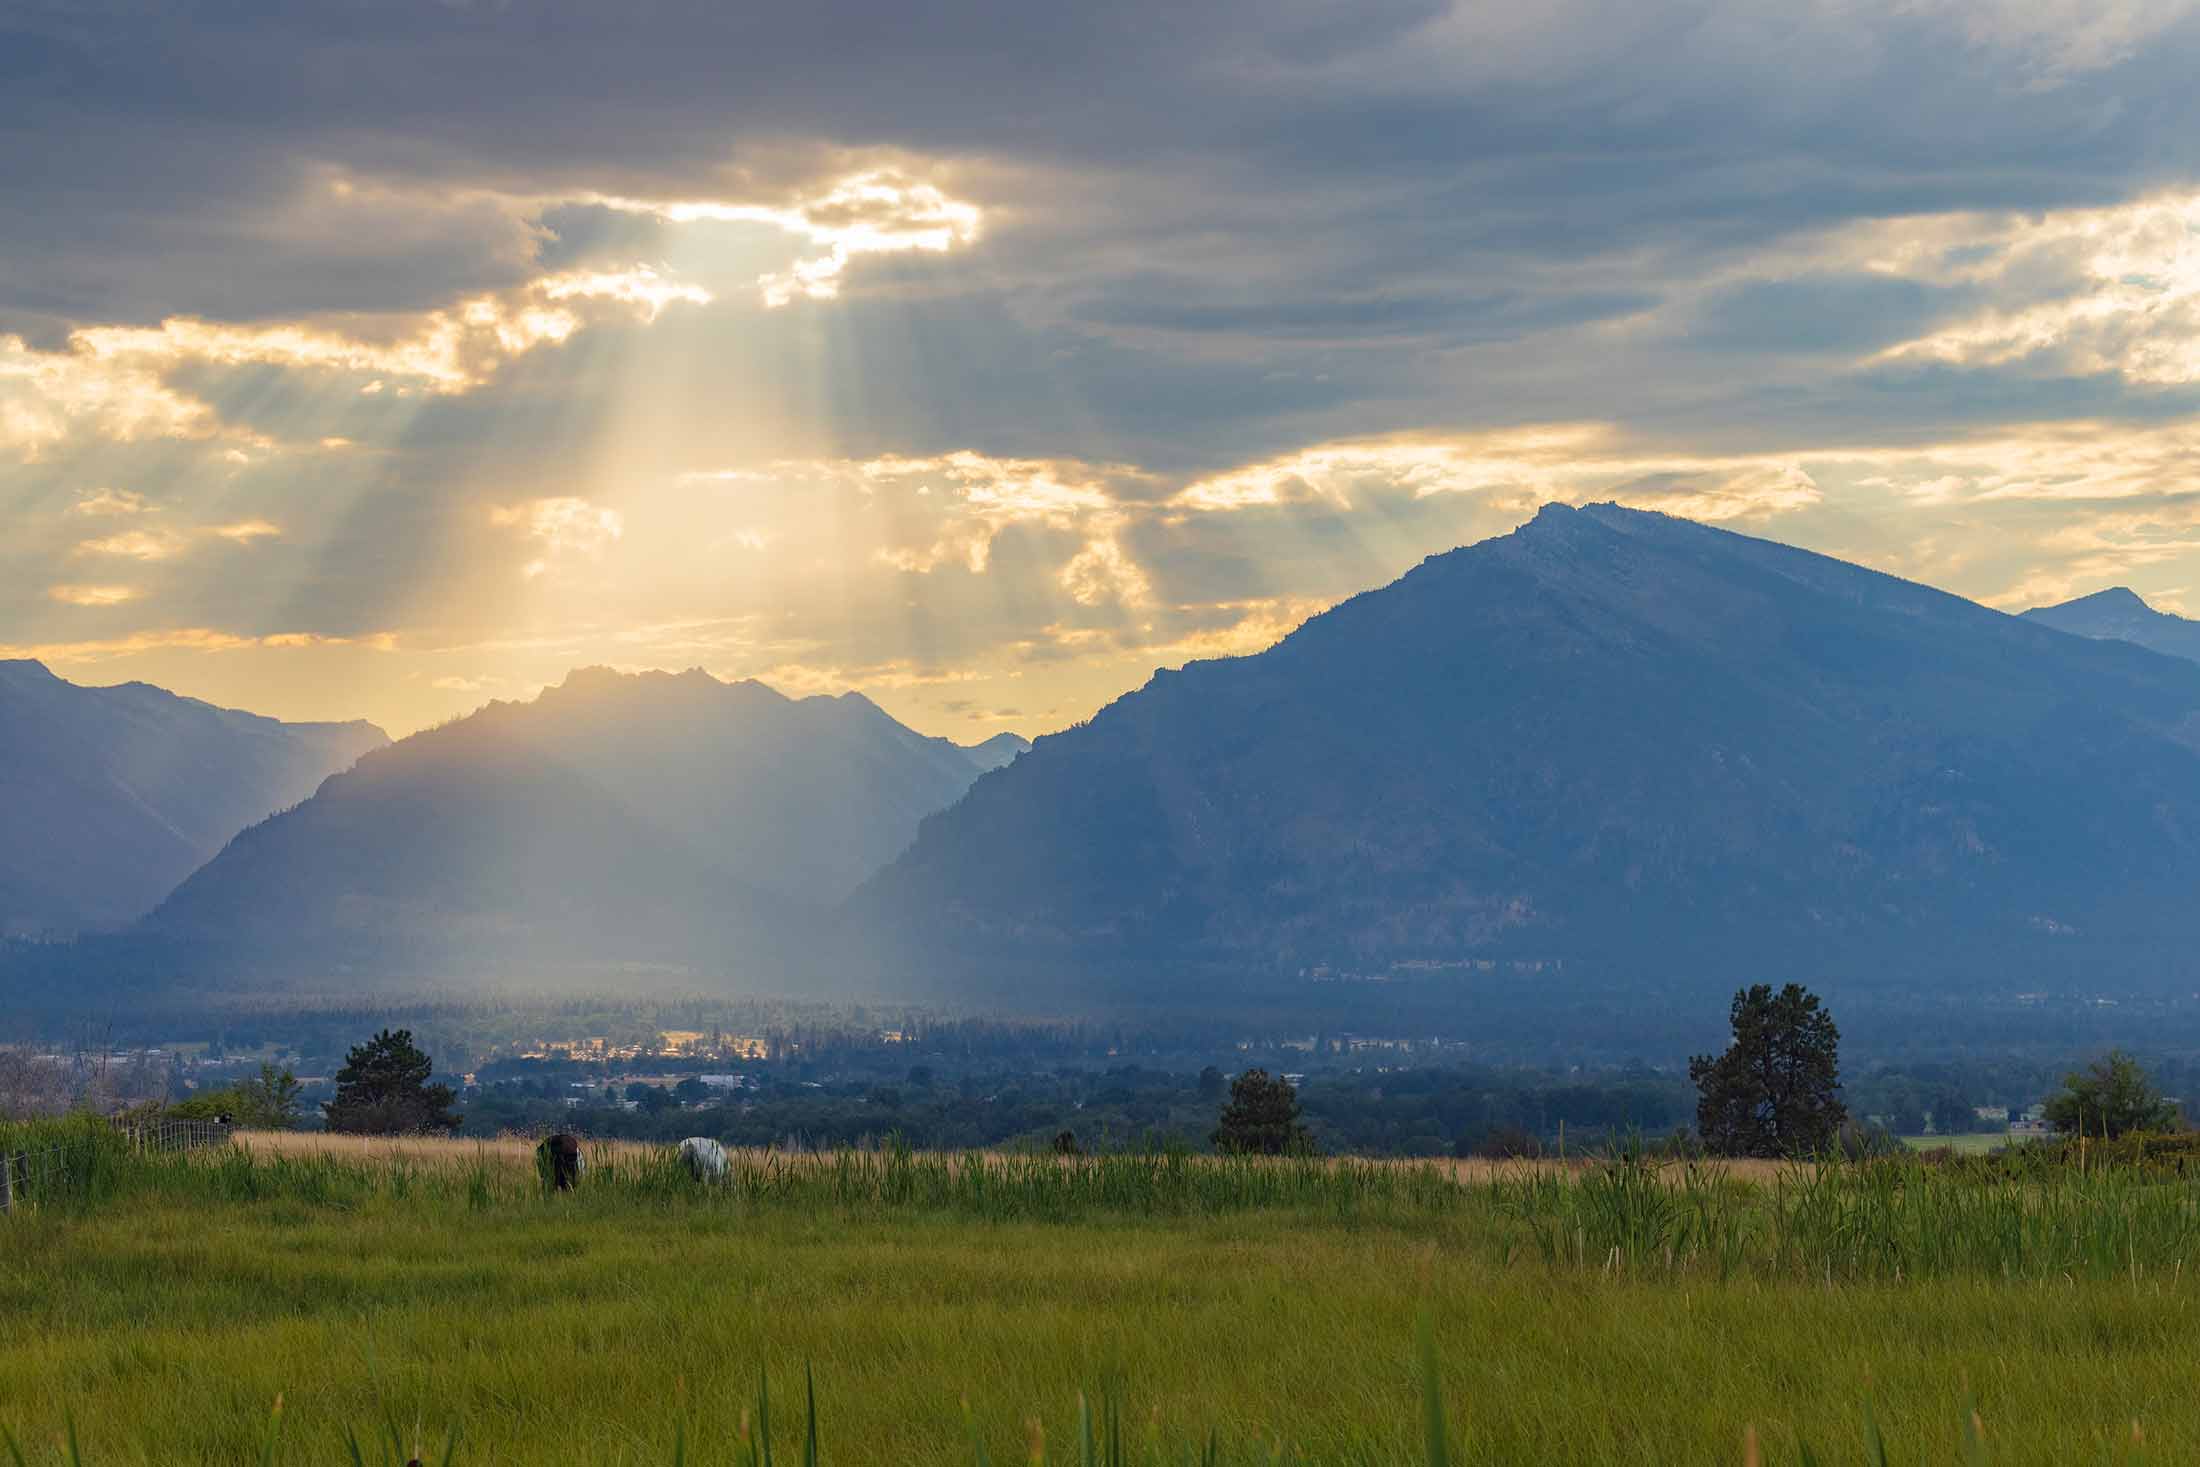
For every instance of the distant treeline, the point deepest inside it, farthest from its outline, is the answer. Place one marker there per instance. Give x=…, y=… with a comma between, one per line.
x=1440, y=1110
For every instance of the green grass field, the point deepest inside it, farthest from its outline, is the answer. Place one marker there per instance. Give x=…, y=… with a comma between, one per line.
x=164, y=1313
x=1977, y=1144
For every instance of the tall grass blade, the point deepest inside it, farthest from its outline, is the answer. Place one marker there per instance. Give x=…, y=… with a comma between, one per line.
x=1432, y=1396
x=764, y=1417
x=977, y=1442
x=809, y=1424
x=274, y=1430
x=1875, y=1448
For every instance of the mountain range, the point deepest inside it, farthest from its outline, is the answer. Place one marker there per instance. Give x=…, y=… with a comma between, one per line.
x=1609, y=742
x=652, y=817
x=1609, y=737
x=111, y=796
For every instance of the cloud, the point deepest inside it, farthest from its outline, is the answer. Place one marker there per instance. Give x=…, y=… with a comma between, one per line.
x=877, y=212
x=117, y=383
x=184, y=639
x=1101, y=571
x=134, y=545
x=962, y=500
x=1566, y=462
x=93, y=595
x=2056, y=41
x=563, y=525
x=109, y=502
x=2111, y=290
x=47, y=396
x=167, y=544
x=451, y=349
x=1019, y=348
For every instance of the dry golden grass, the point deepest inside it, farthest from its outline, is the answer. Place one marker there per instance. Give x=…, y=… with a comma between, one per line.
x=419, y=1151
x=427, y=1151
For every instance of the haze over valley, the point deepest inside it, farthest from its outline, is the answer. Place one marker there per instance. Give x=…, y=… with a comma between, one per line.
x=1606, y=756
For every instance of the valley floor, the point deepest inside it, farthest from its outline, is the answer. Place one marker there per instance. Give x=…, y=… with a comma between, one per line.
x=592, y=1328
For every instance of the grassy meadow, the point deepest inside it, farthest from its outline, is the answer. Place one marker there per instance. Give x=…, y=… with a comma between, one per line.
x=1963, y=1144
x=1619, y=1313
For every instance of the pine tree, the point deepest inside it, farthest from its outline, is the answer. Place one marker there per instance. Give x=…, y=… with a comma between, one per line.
x=383, y=1090
x=1262, y=1118
x=1775, y=1092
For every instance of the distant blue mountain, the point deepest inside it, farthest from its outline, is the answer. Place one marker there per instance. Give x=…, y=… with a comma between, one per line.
x=2118, y=614
x=654, y=817
x=1609, y=736
x=110, y=796
x=1001, y=749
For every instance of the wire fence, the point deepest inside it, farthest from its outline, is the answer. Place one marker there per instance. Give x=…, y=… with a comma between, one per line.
x=174, y=1135
x=47, y=1173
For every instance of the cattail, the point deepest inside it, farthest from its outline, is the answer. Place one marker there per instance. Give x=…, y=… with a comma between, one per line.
x=1750, y=1455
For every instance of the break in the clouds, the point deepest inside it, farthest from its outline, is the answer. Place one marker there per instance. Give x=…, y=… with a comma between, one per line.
x=986, y=356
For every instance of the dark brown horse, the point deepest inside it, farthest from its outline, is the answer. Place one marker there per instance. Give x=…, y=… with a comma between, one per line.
x=559, y=1158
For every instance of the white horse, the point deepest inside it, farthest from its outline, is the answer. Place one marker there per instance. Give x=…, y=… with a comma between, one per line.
x=704, y=1158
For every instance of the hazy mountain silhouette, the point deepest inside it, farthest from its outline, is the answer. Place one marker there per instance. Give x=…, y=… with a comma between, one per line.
x=110, y=796
x=652, y=816
x=1609, y=735
x=1001, y=749
x=2120, y=614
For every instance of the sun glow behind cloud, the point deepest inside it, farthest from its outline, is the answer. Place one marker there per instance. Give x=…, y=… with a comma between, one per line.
x=565, y=525
x=2112, y=289
x=877, y=212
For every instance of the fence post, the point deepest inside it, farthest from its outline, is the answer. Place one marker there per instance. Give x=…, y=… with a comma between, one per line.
x=7, y=1182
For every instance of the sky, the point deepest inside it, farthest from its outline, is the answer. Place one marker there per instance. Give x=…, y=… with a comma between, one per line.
x=378, y=360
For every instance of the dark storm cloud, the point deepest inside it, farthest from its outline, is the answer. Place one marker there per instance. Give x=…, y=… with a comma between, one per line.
x=158, y=147
x=1849, y=314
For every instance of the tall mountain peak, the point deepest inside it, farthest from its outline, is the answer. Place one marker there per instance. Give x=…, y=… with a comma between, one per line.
x=1611, y=735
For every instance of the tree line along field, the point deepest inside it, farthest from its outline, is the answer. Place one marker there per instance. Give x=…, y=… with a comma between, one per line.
x=1623, y=1311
